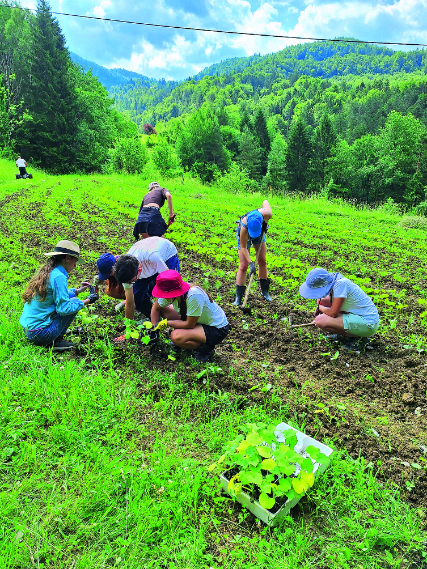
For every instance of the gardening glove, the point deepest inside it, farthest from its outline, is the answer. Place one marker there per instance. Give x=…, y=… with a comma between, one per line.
x=264, y=227
x=93, y=296
x=252, y=269
x=161, y=325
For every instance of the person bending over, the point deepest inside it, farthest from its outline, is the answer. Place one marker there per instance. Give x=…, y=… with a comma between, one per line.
x=342, y=306
x=50, y=306
x=150, y=222
x=199, y=323
x=22, y=165
x=106, y=275
x=250, y=228
x=138, y=269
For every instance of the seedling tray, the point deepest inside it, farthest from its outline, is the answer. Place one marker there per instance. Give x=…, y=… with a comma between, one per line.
x=253, y=506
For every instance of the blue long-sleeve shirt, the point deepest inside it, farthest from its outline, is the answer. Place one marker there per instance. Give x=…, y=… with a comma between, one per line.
x=59, y=298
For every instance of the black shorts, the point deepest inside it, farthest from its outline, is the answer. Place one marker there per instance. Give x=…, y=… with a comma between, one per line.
x=142, y=294
x=150, y=221
x=214, y=335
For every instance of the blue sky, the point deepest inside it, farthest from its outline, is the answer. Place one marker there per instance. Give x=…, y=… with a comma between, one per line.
x=177, y=54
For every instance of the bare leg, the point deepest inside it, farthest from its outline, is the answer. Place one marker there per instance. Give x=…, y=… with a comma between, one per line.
x=262, y=260
x=243, y=268
x=189, y=339
x=332, y=325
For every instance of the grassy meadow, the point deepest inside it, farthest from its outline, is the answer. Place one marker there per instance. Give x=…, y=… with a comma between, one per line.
x=104, y=451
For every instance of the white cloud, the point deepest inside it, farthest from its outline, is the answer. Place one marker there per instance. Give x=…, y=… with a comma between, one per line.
x=99, y=11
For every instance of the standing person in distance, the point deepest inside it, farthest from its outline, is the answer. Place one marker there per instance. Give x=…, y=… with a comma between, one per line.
x=150, y=222
x=22, y=165
x=50, y=306
x=199, y=323
x=138, y=269
x=343, y=308
x=249, y=230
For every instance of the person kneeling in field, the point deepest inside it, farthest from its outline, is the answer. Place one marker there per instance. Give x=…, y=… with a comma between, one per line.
x=199, y=323
x=138, y=269
x=50, y=306
x=342, y=306
x=250, y=228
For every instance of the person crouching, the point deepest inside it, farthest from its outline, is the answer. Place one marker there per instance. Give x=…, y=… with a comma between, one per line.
x=198, y=322
x=343, y=308
x=50, y=306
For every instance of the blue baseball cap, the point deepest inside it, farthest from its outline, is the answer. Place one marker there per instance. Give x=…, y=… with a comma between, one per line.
x=254, y=221
x=317, y=284
x=105, y=263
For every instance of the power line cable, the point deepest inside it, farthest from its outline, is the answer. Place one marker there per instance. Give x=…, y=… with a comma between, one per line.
x=226, y=31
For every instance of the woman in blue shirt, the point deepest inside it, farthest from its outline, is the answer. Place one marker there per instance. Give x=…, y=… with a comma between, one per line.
x=50, y=306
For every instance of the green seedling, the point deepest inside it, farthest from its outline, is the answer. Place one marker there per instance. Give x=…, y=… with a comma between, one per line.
x=271, y=473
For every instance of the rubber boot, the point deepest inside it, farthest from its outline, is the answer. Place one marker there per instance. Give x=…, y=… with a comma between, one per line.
x=265, y=285
x=240, y=291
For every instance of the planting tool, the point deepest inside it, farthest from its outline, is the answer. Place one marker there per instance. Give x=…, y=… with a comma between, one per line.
x=298, y=325
x=244, y=308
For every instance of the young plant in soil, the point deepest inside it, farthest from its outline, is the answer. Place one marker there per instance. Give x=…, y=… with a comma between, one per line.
x=134, y=330
x=267, y=470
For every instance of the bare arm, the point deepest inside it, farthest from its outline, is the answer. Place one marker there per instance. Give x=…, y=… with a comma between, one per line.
x=188, y=324
x=130, y=304
x=155, y=313
x=169, y=200
x=335, y=308
x=244, y=242
x=266, y=211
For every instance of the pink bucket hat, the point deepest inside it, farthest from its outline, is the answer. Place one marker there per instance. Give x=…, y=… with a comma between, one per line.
x=169, y=284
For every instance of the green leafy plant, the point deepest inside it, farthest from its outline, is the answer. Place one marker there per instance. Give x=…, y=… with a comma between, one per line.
x=134, y=330
x=266, y=469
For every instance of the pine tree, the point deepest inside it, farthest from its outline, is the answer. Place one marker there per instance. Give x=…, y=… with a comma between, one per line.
x=260, y=128
x=298, y=157
x=48, y=138
x=276, y=174
x=246, y=122
x=325, y=139
x=250, y=154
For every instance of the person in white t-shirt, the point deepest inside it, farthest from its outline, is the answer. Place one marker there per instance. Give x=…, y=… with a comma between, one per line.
x=342, y=306
x=138, y=269
x=22, y=165
x=199, y=323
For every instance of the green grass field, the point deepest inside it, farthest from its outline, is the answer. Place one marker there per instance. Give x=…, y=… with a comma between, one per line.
x=104, y=451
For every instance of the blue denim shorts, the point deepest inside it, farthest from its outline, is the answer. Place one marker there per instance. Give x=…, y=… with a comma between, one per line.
x=251, y=240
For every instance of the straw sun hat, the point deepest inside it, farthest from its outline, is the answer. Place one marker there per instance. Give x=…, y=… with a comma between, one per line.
x=65, y=247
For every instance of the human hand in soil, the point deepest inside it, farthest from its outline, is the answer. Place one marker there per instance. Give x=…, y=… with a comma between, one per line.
x=161, y=325
x=84, y=285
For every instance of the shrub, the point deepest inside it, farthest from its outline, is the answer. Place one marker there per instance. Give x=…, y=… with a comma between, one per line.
x=237, y=181
x=413, y=222
x=128, y=155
